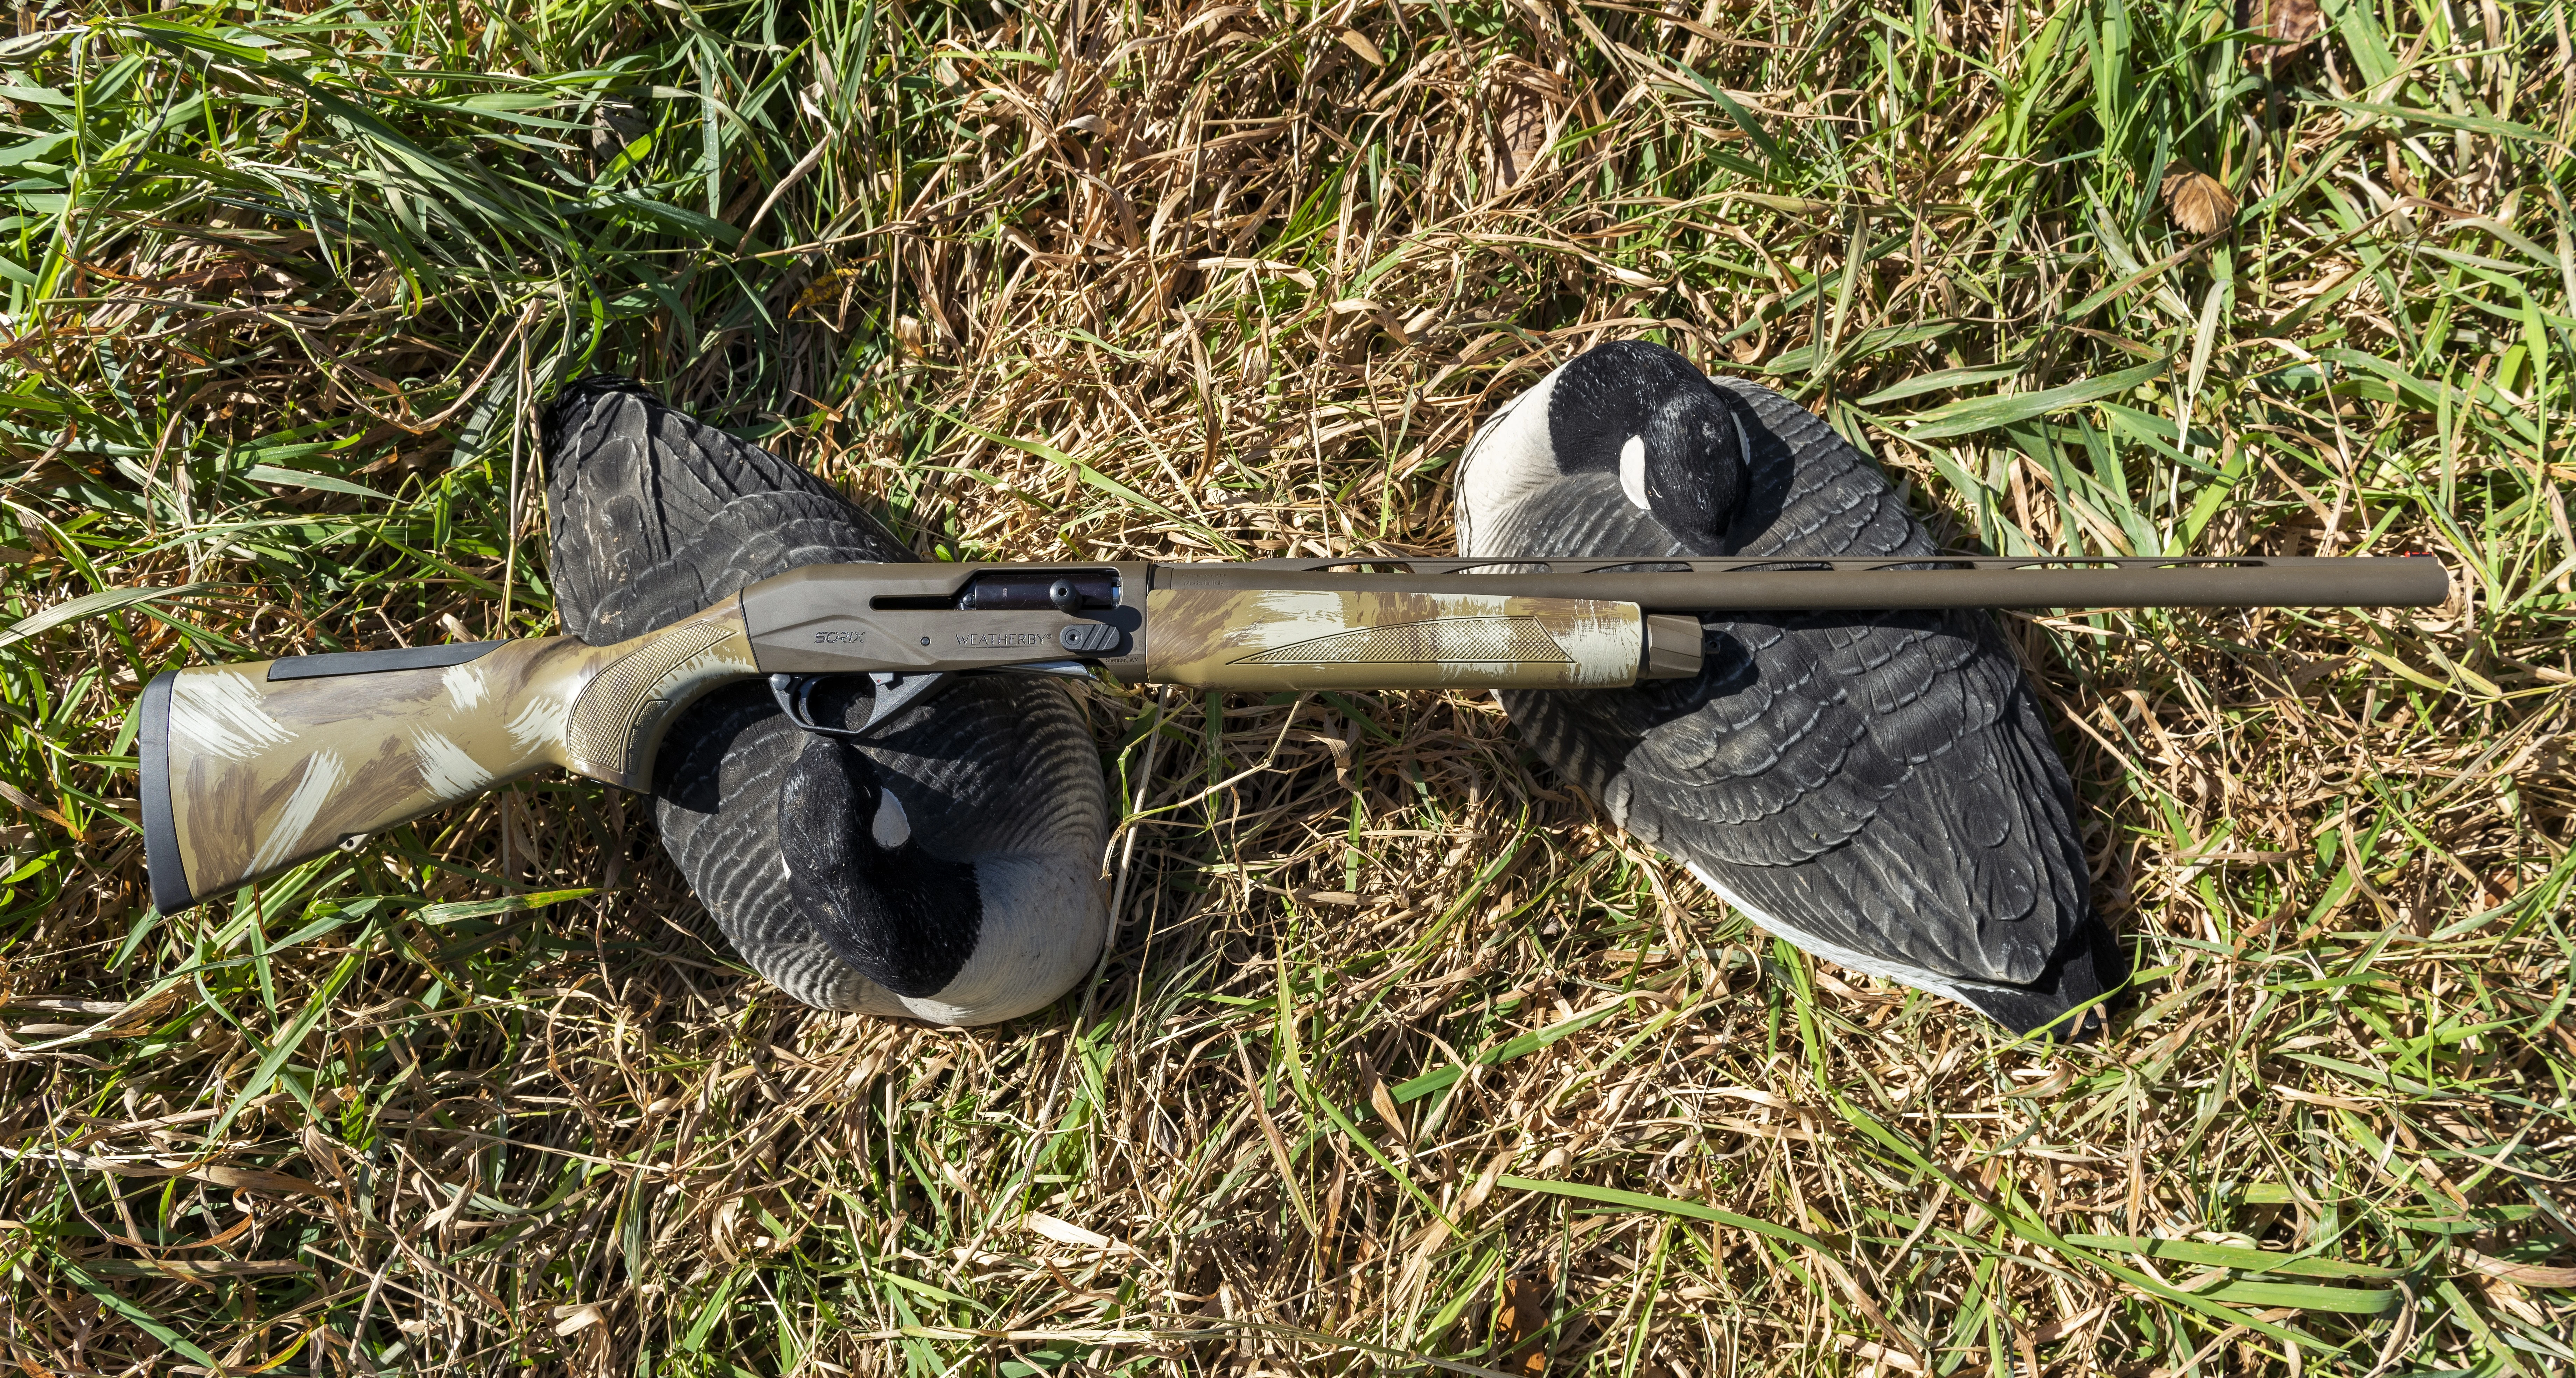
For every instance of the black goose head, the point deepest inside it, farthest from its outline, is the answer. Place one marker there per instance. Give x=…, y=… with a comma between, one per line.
x=905, y=919
x=1641, y=412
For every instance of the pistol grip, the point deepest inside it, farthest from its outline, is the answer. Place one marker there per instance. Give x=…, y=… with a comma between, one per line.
x=630, y=698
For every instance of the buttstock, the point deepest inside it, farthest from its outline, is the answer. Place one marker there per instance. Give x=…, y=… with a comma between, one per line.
x=250, y=770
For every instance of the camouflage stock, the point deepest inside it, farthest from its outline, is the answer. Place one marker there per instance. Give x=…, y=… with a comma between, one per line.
x=249, y=770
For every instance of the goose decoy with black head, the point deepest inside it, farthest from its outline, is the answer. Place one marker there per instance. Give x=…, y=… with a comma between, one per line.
x=1876, y=788
x=943, y=866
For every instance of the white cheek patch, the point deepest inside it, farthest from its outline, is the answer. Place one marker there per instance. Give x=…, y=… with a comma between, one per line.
x=893, y=827
x=1632, y=470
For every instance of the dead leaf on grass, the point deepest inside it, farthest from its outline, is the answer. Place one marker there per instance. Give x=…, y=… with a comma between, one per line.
x=568, y=1319
x=2285, y=26
x=2198, y=202
x=2051, y=1081
x=254, y=1179
x=1524, y=104
x=1522, y=127
x=1523, y=1317
x=1066, y=1232
x=1383, y=1102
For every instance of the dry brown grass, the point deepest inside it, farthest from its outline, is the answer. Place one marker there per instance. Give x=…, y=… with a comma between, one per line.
x=1401, y=1057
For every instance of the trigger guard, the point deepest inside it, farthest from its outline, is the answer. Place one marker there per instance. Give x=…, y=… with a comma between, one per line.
x=894, y=693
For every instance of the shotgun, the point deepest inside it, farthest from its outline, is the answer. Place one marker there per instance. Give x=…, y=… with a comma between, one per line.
x=251, y=769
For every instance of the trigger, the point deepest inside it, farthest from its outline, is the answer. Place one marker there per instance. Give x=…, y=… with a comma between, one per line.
x=898, y=692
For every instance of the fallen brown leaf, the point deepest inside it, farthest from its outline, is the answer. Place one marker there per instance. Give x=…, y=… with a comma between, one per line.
x=1524, y=1316
x=20, y=798
x=1484, y=1185
x=253, y=1179
x=1384, y=1104
x=1880, y=1354
x=1066, y=1232
x=2285, y=26
x=1523, y=106
x=2057, y=1079
x=2064, y=1326
x=568, y=1319
x=2198, y=202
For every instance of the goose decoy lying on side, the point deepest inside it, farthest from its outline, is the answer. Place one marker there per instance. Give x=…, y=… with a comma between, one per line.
x=1876, y=788
x=946, y=865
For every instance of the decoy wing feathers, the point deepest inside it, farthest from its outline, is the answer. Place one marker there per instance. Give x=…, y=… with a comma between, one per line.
x=1809, y=491
x=654, y=517
x=654, y=514
x=1906, y=739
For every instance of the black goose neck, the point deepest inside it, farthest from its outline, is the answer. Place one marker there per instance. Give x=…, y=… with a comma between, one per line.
x=904, y=918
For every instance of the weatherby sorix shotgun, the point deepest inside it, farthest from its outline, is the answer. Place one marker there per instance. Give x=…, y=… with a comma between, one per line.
x=251, y=769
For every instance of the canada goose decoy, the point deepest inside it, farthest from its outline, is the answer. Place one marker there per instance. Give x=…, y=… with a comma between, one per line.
x=945, y=866
x=1876, y=788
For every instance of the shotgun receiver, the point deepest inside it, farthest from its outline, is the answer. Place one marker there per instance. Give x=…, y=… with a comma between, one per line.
x=250, y=769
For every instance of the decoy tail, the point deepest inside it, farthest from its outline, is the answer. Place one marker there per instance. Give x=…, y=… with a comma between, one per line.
x=2073, y=1000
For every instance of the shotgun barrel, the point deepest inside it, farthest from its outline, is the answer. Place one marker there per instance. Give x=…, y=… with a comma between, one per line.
x=1741, y=584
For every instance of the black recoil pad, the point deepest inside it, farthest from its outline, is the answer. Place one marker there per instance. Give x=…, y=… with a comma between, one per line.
x=161, y=857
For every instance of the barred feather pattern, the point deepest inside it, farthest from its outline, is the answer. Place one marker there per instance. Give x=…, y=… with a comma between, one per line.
x=654, y=516
x=1879, y=785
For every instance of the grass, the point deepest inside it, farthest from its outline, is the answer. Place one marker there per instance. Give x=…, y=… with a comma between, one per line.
x=1401, y=1058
